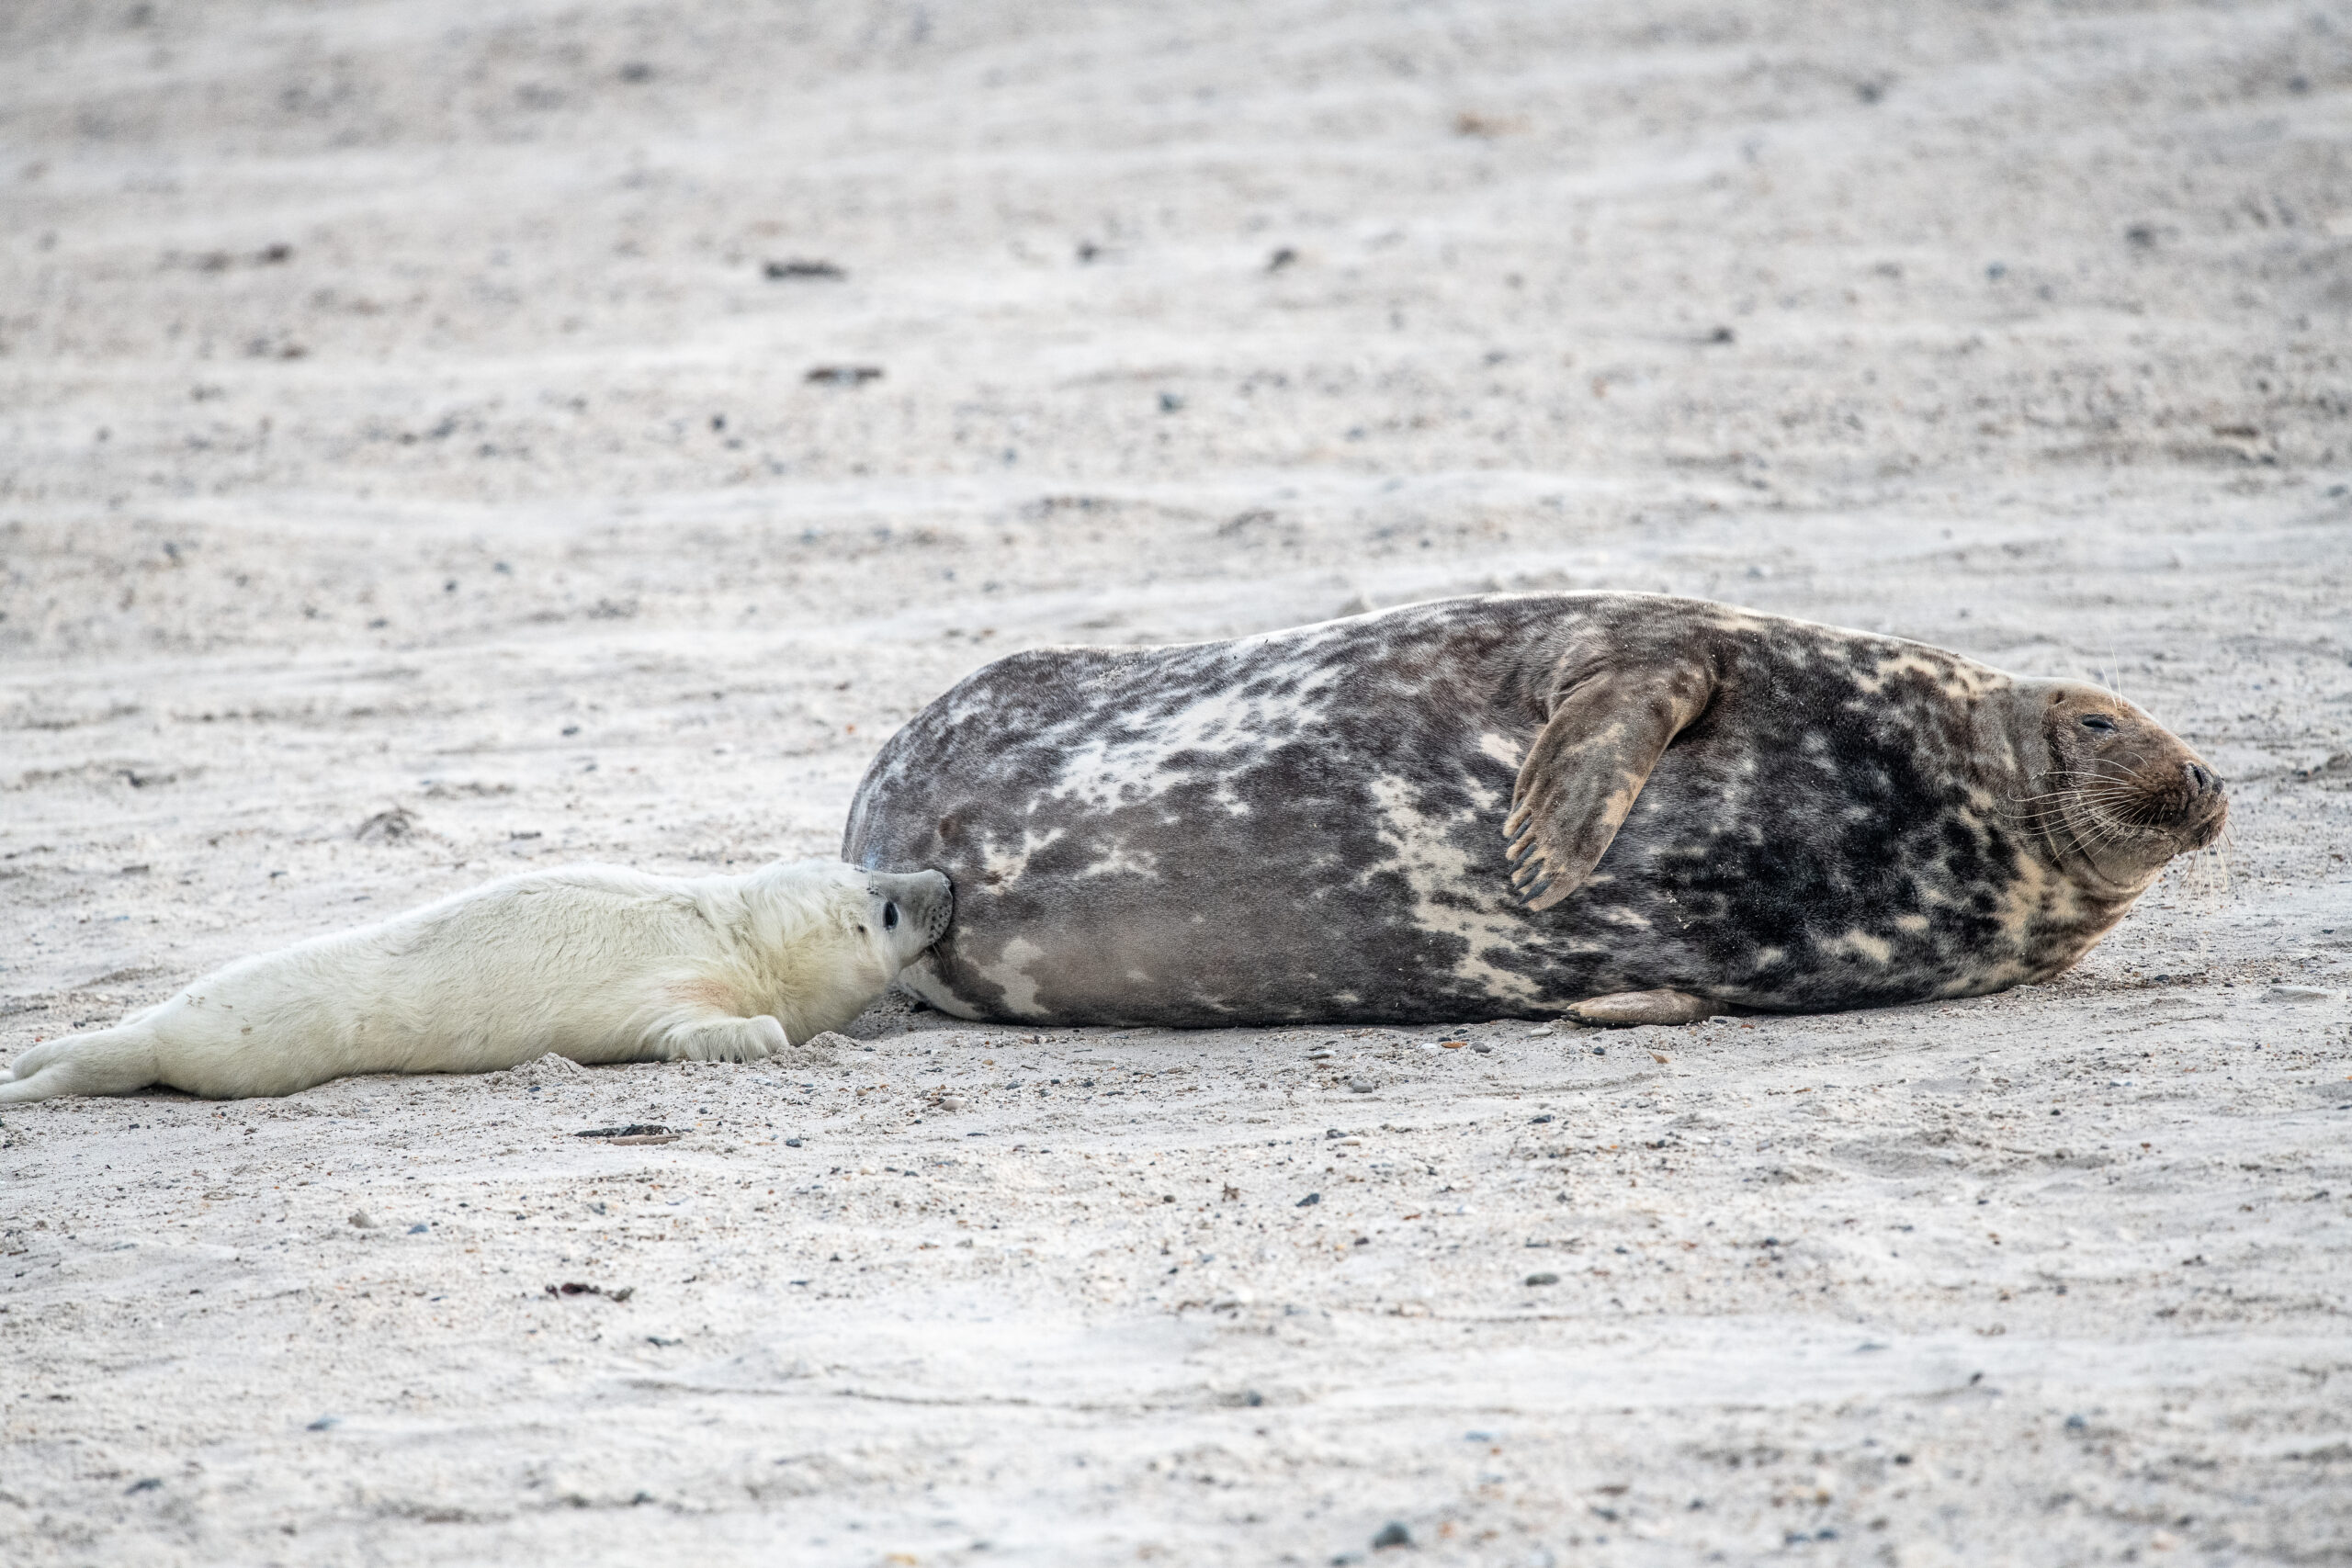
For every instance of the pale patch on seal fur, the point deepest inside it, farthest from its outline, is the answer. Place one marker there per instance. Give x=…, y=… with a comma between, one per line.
x=1954, y=678
x=1503, y=750
x=1104, y=772
x=1862, y=944
x=2036, y=896
x=1002, y=865
x=1122, y=860
x=1432, y=863
x=1010, y=972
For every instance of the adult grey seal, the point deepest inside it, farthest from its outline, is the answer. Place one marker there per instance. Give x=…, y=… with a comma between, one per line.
x=1630, y=807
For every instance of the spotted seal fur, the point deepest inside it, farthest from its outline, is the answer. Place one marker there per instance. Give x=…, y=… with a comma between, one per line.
x=1633, y=807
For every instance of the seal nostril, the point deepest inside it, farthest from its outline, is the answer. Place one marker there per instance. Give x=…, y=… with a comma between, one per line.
x=2200, y=779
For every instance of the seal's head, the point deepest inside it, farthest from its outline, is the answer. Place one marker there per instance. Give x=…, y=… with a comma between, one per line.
x=2119, y=794
x=908, y=910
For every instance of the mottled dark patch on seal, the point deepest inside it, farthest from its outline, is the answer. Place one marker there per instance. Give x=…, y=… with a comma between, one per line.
x=1311, y=825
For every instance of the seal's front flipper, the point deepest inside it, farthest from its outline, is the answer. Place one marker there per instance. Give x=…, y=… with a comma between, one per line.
x=1608, y=725
x=1625, y=1009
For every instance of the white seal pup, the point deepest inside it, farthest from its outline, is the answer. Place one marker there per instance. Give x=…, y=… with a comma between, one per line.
x=595, y=963
x=1625, y=807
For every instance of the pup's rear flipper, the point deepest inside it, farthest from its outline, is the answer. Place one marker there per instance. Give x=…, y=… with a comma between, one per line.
x=108, y=1061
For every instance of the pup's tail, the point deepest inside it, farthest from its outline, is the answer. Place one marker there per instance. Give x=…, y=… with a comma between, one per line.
x=105, y=1061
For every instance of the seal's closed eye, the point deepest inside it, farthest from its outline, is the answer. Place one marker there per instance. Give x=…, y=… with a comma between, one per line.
x=2098, y=721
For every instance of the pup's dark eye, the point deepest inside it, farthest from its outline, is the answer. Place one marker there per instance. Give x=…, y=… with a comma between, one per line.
x=889, y=917
x=2097, y=721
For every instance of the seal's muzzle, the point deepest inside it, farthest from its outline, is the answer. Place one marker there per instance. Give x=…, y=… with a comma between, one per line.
x=926, y=899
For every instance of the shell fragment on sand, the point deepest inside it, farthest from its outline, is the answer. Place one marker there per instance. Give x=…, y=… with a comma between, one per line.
x=635, y=1133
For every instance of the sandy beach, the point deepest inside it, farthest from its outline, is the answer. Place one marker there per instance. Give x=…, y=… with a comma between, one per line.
x=446, y=439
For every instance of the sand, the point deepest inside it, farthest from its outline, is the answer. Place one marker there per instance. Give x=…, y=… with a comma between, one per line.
x=413, y=474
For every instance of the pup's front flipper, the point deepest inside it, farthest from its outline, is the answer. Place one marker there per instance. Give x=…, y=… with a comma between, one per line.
x=726, y=1040
x=1625, y=1010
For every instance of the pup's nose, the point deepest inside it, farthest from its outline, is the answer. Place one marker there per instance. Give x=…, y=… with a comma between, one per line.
x=942, y=907
x=2202, y=780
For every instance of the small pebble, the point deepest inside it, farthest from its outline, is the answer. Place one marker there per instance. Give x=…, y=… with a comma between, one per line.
x=1545, y=1278
x=1393, y=1533
x=361, y=1220
x=1362, y=1086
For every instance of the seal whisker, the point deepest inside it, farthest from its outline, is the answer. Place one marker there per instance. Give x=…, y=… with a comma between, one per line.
x=2101, y=767
x=2043, y=818
x=2092, y=799
x=2109, y=831
x=2107, y=789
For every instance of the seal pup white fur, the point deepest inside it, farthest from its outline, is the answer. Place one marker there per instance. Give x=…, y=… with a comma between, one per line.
x=595, y=963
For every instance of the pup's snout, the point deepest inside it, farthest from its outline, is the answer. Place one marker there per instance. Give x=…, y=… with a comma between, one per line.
x=940, y=906
x=926, y=899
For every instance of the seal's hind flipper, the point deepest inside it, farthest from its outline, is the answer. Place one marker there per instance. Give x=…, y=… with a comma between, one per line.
x=1629, y=1010
x=1608, y=729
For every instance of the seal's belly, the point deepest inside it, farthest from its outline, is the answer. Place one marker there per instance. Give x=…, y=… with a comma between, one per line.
x=1309, y=879
x=1274, y=878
